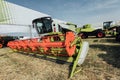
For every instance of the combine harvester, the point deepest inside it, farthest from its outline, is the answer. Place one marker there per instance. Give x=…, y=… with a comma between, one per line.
x=55, y=41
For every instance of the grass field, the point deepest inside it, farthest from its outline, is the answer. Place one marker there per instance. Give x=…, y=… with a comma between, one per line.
x=102, y=63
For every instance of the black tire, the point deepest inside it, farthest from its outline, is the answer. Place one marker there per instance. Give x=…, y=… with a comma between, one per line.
x=118, y=37
x=83, y=35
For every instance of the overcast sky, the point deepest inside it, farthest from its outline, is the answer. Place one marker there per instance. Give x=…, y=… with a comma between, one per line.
x=77, y=11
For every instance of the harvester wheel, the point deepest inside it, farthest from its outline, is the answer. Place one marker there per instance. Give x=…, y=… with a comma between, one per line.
x=83, y=35
x=100, y=35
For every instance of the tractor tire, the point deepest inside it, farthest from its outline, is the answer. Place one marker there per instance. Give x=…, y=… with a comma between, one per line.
x=1, y=45
x=83, y=35
x=100, y=35
x=118, y=37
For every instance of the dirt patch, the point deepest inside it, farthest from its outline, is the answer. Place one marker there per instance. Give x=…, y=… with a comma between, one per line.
x=102, y=63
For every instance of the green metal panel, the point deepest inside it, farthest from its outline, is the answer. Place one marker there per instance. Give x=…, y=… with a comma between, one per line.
x=4, y=13
x=85, y=28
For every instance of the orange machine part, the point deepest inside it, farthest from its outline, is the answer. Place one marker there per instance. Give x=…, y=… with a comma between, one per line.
x=45, y=43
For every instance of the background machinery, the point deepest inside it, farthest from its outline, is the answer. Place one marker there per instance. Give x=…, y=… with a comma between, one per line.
x=118, y=33
x=56, y=40
x=87, y=30
x=109, y=27
x=5, y=39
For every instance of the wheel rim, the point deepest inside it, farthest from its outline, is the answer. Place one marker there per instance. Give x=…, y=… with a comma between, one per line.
x=100, y=34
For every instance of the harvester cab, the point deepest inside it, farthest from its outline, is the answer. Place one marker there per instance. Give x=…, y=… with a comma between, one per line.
x=43, y=25
x=57, y=42
x=47, y=26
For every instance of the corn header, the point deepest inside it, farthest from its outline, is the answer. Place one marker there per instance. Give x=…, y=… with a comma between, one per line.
x=56, y=41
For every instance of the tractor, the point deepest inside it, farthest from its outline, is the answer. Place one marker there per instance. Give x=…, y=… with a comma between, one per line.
x=110, y=28
x=87, y=30
x=56, y=41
